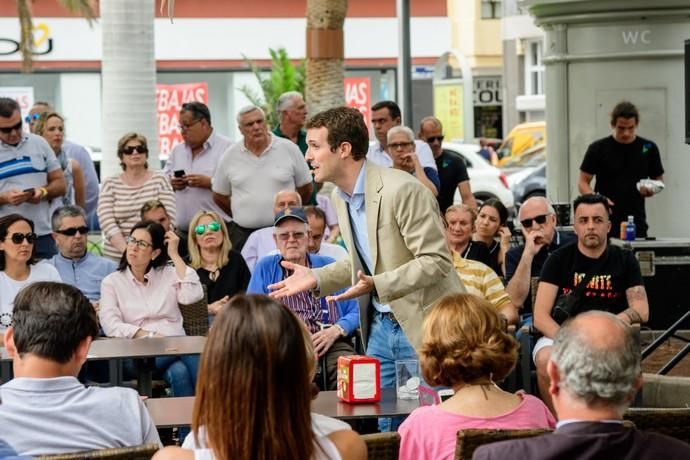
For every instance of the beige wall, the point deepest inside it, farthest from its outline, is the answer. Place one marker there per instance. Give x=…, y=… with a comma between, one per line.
x=478, y=39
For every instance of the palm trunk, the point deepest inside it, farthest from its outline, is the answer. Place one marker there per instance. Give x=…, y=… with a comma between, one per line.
x=128, y=76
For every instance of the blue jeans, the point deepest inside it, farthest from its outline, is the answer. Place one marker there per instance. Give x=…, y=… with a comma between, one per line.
x=388, y=343
x=179, y=372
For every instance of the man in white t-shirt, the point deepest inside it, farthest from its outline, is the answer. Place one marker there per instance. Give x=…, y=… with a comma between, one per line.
x=45, y=410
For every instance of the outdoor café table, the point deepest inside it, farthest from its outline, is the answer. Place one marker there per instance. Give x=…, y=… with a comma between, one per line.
x=116, y=350
x=168, y=412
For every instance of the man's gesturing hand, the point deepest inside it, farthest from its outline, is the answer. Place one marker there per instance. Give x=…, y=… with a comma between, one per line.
x=364, y=286
x=301, y=280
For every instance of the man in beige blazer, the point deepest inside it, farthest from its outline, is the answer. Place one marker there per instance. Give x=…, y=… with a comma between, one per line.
x=394, y=235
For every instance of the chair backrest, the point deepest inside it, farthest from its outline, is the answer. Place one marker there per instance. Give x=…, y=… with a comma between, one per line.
x=671, y=422
x=143, y=452
x=382, y=446
x=195, y=316
x=470, y=439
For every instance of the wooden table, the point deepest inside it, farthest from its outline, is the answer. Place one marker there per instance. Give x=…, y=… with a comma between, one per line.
x=116, y=350
x=167, y=412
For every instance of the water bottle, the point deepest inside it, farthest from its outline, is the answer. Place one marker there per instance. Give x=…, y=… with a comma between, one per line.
x=630, y=229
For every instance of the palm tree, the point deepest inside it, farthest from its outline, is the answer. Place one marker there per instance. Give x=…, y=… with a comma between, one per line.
x=26, y=41
x=325, y=54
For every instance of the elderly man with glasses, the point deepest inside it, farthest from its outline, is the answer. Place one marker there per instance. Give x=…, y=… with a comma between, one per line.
x=30, y=175
x=402, y=150
x=330, y=323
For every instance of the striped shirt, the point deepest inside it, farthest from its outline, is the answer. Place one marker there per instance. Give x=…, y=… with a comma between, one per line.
x=119, y=206
x=481, y=280
x=307, y=307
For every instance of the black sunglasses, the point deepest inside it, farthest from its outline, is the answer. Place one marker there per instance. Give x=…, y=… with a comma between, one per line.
x=30, y=237
x=527, y=223
x=432, y=139
x=83, y=230
x=130, y=149
x=9, y=129
x=34, y=117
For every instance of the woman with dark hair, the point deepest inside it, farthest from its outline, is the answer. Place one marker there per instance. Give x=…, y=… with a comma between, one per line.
x=17, y=259
x=465, y=347
x=141, y=298
x=253, y=399
x=491, y=224
x=123, y=195
x=222, y=270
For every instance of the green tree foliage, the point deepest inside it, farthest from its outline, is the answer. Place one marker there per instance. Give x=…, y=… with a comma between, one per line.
x=284, y=76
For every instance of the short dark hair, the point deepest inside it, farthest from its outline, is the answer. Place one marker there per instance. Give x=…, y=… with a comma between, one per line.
x=592, y=198
x=5, y=223
x=51, y=319
x=392, y=107
x=344, y=124
x=8, y=106
x=315, y=211
x=150, y=205
x=157, y=233
x=199, y=110
x=625, y=109
x=69, y=210
x=498, y=206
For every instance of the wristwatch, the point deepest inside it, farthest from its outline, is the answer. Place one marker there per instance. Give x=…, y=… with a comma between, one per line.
x=340, y=330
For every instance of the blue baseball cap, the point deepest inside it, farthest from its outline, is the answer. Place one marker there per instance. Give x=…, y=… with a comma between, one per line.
x=290, y=213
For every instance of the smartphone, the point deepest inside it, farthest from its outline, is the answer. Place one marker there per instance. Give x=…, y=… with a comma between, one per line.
x=29, y=190
x=179, y=173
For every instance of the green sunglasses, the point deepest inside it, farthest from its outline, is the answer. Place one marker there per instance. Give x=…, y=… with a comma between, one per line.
x=211, y=226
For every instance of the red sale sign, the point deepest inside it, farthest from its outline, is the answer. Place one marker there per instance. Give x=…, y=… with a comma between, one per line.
x=169, y=100
x=358, y=95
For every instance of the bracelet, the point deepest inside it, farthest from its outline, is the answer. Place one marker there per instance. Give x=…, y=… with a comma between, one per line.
x=44, y=192
x=633, y=316
x=340, y=329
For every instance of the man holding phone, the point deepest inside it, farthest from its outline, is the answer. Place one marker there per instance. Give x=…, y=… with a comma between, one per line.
x=30, y=175
x=191, y=165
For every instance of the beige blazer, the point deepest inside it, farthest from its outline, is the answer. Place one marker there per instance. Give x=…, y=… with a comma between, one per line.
x=412, y=264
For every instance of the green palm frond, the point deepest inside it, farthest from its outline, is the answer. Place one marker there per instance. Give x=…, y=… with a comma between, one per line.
x=85, y=8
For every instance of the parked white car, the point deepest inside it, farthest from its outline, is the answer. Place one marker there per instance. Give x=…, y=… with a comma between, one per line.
x=487, y=181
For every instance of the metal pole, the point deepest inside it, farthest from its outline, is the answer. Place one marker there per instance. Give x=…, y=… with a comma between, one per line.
x=404, y=61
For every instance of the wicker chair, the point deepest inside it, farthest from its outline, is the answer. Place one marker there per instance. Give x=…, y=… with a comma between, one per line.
x=195, y=316
x=469, y=440
x=671, y=422
x=382, y=446
x=143, y=452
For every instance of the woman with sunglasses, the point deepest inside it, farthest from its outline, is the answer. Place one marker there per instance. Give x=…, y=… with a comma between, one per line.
x=141, y=298
x=18, y=266
x=220, y=268
x=123, y=195
x=491, y=229
x=51, y=125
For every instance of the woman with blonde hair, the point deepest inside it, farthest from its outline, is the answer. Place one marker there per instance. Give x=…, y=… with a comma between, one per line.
x=464, y=347
x=253, y=394
x=220, y=268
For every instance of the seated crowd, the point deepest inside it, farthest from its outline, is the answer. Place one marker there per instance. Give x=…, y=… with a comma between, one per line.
x=202, y=231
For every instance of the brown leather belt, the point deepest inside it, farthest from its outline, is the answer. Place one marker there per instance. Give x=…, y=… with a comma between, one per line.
x=390, y=316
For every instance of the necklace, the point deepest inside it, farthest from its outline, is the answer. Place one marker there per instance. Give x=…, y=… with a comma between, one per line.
x=213, y=271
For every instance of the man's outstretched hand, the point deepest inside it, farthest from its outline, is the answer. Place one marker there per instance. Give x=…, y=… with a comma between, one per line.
x=364, y=286
x=301, y=280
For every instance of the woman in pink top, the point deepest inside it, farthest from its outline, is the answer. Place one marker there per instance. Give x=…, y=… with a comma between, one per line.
x=465, y=347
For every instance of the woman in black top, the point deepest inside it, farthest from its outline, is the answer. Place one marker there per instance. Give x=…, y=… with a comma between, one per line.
x=459, y=221
x=221, y=269
x=491, y=229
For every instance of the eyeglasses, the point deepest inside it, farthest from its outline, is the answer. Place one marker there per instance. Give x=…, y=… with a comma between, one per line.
x=286, y=236
x=34, y=117
x=211, y=226
x=400, y=145
x=9, y=129
x=432, y=139
x=83, y=230
x=141, y=243
x=186, y=127
x=132, y=148
x=30, y=237
x=527, y=223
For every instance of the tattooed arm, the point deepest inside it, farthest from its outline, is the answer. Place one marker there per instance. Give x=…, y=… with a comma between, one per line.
x=637, y=301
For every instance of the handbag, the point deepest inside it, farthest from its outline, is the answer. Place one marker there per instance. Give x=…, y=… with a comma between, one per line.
x=568, y=305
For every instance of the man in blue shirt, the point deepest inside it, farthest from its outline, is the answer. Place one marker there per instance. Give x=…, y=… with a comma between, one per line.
x=75, y=264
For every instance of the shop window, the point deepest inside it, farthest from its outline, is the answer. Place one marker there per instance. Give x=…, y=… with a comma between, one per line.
x=491, y=9
x=534, y=68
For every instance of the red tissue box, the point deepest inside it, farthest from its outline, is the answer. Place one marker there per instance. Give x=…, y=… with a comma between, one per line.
x=359, y=379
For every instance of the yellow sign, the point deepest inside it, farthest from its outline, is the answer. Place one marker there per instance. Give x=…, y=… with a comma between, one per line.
x=448, y=107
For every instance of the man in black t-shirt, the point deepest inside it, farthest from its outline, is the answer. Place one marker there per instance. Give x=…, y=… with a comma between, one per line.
x=619, y=162
x=452, y=171
x=615, y=285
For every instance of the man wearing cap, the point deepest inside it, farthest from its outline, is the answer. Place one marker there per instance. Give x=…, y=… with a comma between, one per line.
x=330, y=323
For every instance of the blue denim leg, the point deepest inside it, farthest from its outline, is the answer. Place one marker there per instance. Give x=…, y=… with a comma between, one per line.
x=388, y=343
x=176, y=375
x=191, y=362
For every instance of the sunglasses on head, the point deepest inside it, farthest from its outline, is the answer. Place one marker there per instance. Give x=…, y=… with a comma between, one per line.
x=34, y=117
x=132, y=148
x=9, y=129
x=83, y=230
x=527, y=223
x=433, y=139
x=211, y=226
x=30, y=237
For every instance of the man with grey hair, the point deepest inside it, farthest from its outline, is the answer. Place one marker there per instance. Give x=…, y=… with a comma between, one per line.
x=252, y=171
x=595, y=372
x=74, y=263
x=402, y=150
